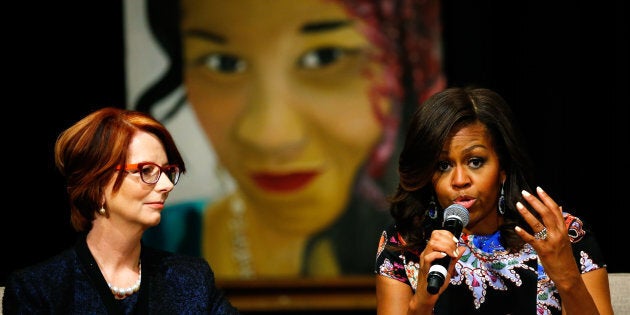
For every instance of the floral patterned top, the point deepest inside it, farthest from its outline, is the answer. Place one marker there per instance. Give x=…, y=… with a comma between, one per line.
x=488, y=279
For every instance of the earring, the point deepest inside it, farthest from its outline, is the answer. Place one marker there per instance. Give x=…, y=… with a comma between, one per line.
x=432, y=211
x=102, y=210
x=501, y=208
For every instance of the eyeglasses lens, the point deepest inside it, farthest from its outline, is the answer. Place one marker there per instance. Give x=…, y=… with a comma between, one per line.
x=173, y=174
x=150, y=173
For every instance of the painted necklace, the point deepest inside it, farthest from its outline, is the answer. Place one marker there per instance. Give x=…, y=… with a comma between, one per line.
x=240, y=245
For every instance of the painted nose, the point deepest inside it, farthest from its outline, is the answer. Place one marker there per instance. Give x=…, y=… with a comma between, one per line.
x=271, y=123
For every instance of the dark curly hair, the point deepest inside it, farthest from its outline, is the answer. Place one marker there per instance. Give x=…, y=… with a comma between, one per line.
x=430, y=127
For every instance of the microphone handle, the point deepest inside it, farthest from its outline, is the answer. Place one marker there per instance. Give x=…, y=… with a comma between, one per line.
x=438, y=270
x=437, y=274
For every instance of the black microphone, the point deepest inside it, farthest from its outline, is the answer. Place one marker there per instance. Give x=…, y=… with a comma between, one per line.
x=455, y=219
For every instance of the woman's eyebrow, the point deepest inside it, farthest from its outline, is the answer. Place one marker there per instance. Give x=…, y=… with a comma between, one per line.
x=324, y=26
x=206, y=35
x=307, y=28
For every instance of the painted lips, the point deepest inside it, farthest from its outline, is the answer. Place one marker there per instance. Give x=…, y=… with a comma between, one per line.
x=283, y=182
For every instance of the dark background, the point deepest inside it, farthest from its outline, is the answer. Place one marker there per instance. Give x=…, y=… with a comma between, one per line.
x=563, y=66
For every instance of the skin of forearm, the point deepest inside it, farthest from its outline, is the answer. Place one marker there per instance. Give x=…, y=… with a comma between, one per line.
x=576, y=299
x=421, y=305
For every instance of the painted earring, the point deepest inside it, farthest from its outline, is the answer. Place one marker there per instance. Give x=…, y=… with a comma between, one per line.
x=102, y=210
x=432, y=212
x=501, y=208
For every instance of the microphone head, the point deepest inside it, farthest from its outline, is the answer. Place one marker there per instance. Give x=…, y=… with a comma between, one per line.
x=456, y=211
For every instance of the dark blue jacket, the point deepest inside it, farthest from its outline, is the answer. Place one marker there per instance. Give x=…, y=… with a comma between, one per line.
x=71, y=283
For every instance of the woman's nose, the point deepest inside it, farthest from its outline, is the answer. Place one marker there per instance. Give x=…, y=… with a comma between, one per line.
x=460, y=176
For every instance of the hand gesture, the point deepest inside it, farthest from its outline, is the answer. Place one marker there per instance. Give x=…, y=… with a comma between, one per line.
x=551, y=239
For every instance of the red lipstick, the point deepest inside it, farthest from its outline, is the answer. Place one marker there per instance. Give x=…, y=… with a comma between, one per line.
x=283, y=182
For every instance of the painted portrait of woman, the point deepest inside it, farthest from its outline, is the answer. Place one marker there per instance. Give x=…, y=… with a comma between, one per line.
x=289, y=115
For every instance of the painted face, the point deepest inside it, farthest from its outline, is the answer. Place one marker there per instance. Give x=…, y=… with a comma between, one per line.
x=469, y=174
x=138, y=203
x=281, y=90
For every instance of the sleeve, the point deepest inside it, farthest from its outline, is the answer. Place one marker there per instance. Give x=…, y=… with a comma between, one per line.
x=12, y=303
x=23, y=294
x=586, y=250
x=398, y=265
x=42, y=288
x=182, y=284
x=218, y=301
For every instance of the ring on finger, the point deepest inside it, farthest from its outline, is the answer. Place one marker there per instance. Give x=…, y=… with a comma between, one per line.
x=541, y=235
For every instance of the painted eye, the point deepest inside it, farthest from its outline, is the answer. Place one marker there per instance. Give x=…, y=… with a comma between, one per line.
x=224, y=63
x=321, y=57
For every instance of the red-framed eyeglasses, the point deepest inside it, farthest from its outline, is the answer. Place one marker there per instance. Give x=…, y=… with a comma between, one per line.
x=150, y=172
